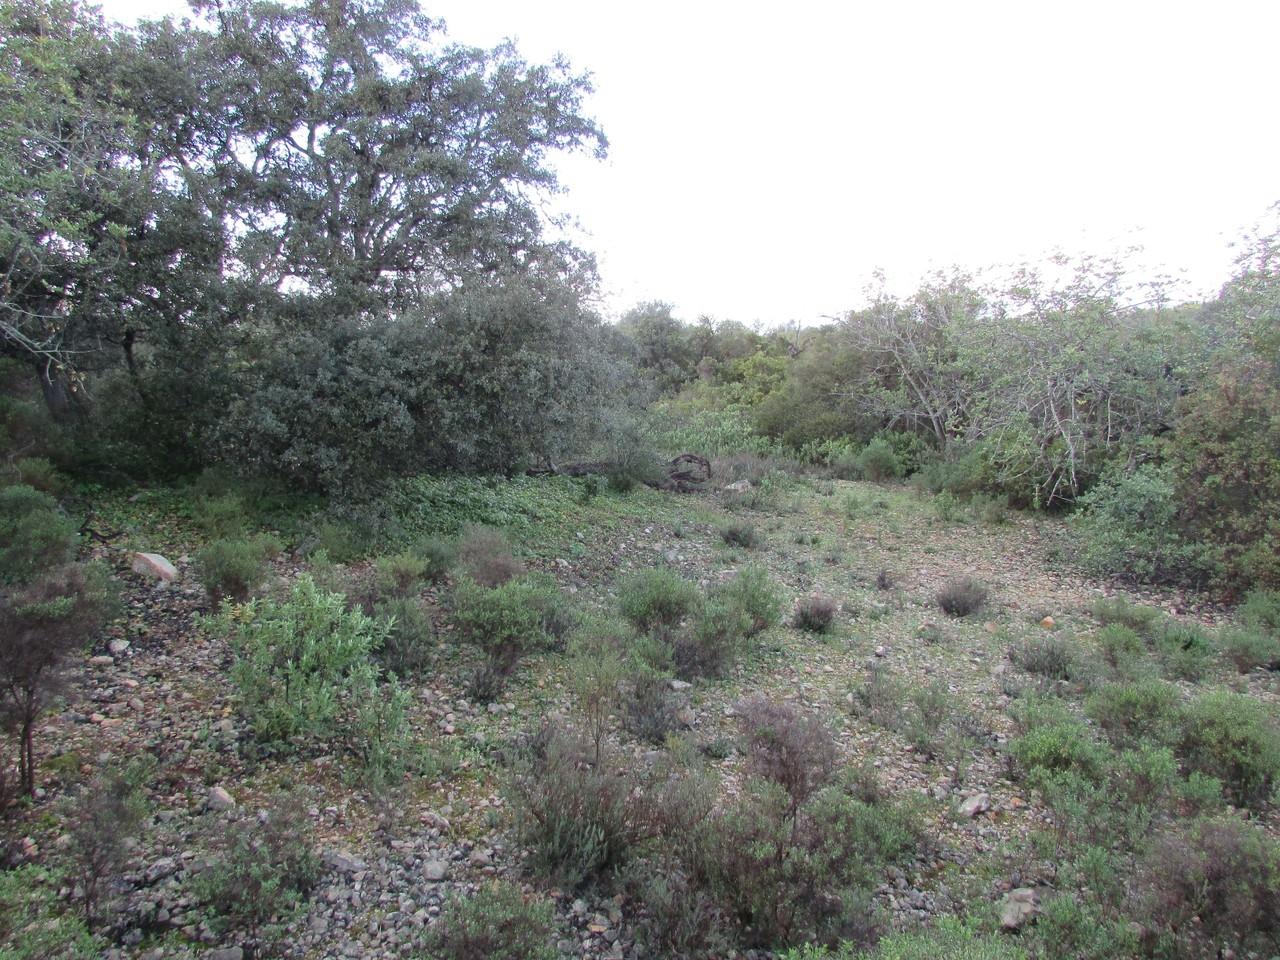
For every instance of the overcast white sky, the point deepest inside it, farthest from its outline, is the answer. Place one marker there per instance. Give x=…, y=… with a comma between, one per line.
x=765, y=159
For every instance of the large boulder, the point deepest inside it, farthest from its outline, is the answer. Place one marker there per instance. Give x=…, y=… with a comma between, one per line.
x=154, y=565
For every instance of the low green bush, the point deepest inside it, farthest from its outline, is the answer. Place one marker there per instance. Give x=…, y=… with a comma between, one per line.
x=34, y=923
x=1072, y=926
x=497, y=922
x=1185, y=650
x=1141, y=710
x=1056, y=742
x=879, y=461
x=1127, y=526
x=1236, y=739
x=714, y=642
x=437, y=555
x=740, y=535
x=1261, y=610
x=507, y=622
x=1121, y=646
x=221, y=517
x=650, y=708
x=234, y=569
x=798, y=874
x=410, y=639
x=304, y=676
x=35, y=534
x=657, y=599
x=1249, y=648
x=951, y=939
x=753, y=592
x=1054, y=659
x=578, y=820
x=1109, y=610
x=398, y=575
x=261, y=873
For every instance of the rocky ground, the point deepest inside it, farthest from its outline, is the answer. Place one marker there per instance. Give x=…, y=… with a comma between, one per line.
x=156, y=683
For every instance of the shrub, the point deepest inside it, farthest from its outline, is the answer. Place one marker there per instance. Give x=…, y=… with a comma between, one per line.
x=1055, y=659
x=1225, y=472
x=1185, y=649
x=33, y=925
x=962, y=597
x=1128, y=526
x=261, y=873
x=484, y=554
x=1109, y=610
x=399, y=575
x=1130, y=713
x=789, y=747
x=792, y=875
x=221, y=517
x=1250, y=648
x=1209, y=884
x=1063, y=745
x=1069, y=926
x=437, y=555
x=410, y=636
x=878, y=461
x=40, y=625
x=656, y=599
x=1234, y=738
x=579, y=820
x=507, y=622
x=755, y=594
x=303, y=674
x=104, y=818
x=37, y=472
x=740, y=535
x=1121, y=646
x=649, y=707
x=234, y=568
x=715, y=640
x=990, y=508
x=949, y=940
x=1261, y=611
x=34, y=534
x=497, y=922
x=814, y=614
x=596, y=672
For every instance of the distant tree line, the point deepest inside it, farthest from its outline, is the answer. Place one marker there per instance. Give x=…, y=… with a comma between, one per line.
x=1065, y=385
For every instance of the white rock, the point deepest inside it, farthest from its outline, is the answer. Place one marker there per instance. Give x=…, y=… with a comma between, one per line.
x=219, y=799
x=118, y=646
x=1019, y=906
x=979, y=803
x=679, y=685
x=152, y=564
x=742, y=486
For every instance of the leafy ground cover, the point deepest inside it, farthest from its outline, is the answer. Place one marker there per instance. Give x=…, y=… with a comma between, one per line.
x=1003, y=732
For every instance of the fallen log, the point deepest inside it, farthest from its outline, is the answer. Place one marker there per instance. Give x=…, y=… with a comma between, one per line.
x=683, y=474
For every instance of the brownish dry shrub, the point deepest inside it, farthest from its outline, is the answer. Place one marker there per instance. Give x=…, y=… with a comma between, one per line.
x=785, y=745
x=814, y=614
x=1213, y=883
x=484, y=554
x=962, y=597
